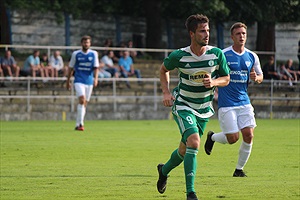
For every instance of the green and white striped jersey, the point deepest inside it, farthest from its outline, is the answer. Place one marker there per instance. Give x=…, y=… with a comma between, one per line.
x=190, y=93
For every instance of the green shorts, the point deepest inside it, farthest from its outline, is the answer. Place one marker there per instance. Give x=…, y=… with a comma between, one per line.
x=189, y=124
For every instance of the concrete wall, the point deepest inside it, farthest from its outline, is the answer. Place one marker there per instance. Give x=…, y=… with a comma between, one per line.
x=287, y=38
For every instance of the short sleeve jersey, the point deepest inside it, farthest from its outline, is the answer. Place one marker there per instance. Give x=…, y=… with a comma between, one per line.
x=235, y=93
x=84, y=65
x=190, y=93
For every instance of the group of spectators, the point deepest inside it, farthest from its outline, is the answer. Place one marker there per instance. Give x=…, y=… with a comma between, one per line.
x=34, y=65
x=118, y=63
x=284, y=71
x=112, y=65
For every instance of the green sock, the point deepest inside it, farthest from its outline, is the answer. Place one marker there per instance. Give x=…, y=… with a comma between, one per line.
x=190, y=166
x=173, y=162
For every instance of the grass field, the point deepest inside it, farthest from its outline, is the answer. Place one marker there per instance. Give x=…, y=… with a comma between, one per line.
x=117, y=160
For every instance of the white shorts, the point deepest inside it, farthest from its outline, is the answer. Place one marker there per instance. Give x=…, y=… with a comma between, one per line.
x=233, y=119
x=83, y=90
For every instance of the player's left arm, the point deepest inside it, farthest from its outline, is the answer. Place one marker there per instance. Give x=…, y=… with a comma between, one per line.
x=256, y=73
x=96, y=76
x=96, y=67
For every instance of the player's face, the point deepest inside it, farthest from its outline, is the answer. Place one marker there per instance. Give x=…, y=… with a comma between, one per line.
x=201, y=35
x=239, y=36
x=86, y=44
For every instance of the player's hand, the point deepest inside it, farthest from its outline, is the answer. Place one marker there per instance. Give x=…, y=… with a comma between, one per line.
x=168, y=99
x=95, y=82
x=253, y=75
x=207, y=81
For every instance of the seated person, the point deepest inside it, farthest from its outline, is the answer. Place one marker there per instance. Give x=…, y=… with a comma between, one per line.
x=102, y=73
x=1, y=76
x=126, y=67
x=269, y=70
x=48, y=69
x=284, y=74
x=9, y=65
x=32, y=65
x=56, y=61
x=109, y=64
x=291, y=69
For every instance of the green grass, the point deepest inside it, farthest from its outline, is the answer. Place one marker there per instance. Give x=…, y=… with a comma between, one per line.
x=117, y=160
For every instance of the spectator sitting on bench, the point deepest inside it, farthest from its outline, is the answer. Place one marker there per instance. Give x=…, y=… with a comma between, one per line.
x=291, y=69
x=45, y=64
x=102, y=73
x=1, y=75
x=56, y=61
x=9, y=65
x=32, y=65
x=126, y=67
x=284, y=74
x=269, y=70
x=109, y=64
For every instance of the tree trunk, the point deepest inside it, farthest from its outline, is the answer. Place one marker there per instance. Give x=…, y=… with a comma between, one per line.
x=4, y=25
x=265, y=36
x=154, y=23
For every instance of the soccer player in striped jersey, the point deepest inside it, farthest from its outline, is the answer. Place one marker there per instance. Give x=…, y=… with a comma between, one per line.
x=235, y=110
x=84, y=65
x=201, y=68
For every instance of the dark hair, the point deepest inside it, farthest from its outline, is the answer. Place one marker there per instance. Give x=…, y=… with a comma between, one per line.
x=192, y=21
x=86, y=37
x=108, y=52
x=237, y=25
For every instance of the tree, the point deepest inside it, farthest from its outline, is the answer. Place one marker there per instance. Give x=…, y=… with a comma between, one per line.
x=153, y=10
x=266, y=13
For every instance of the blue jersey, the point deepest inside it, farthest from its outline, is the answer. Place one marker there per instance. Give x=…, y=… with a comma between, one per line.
x=235, y=93
x=84, y=65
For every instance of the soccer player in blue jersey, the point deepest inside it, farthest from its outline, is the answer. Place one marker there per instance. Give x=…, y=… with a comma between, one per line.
x=201, y=68
x=84, y=65
x=236, y=113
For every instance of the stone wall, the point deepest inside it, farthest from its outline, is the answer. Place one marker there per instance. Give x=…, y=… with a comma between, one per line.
x=34, y=28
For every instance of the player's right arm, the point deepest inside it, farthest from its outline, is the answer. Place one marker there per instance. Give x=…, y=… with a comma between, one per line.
x=168, y=98
x=68, y=78
x=71, y=71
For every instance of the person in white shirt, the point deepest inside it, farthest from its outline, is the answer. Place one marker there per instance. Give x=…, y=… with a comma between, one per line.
x=109, y=64
x=56, y=61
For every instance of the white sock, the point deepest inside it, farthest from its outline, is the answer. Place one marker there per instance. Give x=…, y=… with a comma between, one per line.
x=83, y=115
x=219, y=137
x=244, y=154
x=79, y=119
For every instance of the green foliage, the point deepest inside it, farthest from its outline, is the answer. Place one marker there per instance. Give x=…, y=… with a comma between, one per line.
x=216, y=10
x=264, y=11
x=117, y=160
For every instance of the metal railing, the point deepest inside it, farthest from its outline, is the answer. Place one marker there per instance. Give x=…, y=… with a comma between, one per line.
x=151, y=94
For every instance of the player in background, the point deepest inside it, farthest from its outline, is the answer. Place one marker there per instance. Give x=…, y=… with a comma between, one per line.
x=201, y=68
x=235, y=110
x=84, y=65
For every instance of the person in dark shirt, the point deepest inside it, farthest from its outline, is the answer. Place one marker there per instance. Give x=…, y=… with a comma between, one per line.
x=269, y=70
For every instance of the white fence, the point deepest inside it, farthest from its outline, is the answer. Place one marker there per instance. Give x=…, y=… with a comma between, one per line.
x=274, y=91
x=270, y=92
